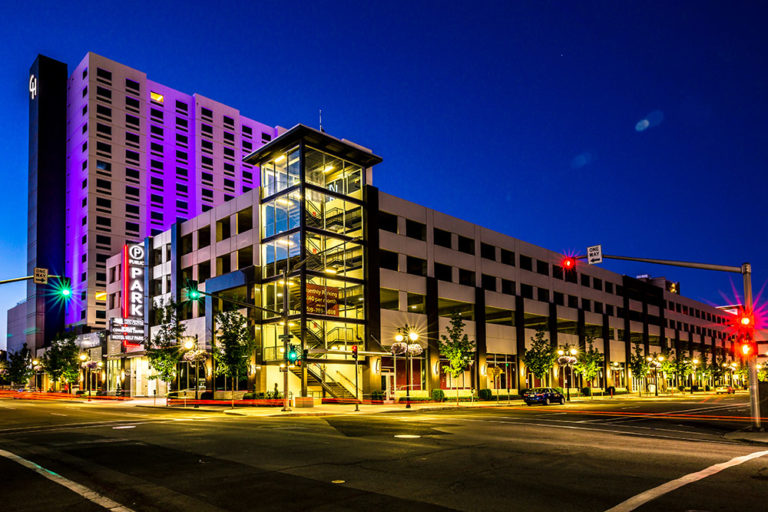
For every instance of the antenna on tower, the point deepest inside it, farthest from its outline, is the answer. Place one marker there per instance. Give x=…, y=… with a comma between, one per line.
x=321, y=121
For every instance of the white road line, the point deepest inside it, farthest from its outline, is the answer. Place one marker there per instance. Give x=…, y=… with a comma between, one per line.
x=69, y=484
x=651, y=494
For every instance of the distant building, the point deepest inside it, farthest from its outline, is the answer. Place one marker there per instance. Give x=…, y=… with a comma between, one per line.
x=17, y=321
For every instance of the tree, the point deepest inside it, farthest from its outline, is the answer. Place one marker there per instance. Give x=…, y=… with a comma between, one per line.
x=707, y=364
x=236, y=343
x=683, y=367
x=60, y=361
x=541, y=357
x=164, y=348
x=589, y=362
x=718, y=367
x=667, y=365
x=457, y=348
x=20, y=366
x=638, y=364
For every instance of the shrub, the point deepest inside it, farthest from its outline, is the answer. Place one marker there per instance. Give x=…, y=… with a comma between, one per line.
x=559, y=390
x=438, y=395
x=694, y=388
x=206, y=395
x=172, y=394
x=681, y=388
x=101, y=393
x=377, y=395
x=484, y=394
x=586, y=391
x=79, y=392
x=249, y=396
x=610, y=390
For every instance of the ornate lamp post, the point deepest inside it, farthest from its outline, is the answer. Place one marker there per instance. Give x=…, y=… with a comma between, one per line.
x=401, y=346
x=194, y=355
x=655, y=363
x=567, y=360
x=693, y=376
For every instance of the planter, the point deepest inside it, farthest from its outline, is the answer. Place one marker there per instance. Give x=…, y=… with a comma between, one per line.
x=303, y=401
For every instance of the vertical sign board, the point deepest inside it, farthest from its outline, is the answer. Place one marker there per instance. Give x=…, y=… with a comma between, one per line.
x=133, y=281
x=130, y=328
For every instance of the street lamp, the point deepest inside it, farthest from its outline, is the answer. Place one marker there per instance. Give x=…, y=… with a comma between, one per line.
x=567, y=360
x=189, y=345
x=401, y=346
x=655, y=363
x=36, y=368
x=693, y=376
x=86, y=372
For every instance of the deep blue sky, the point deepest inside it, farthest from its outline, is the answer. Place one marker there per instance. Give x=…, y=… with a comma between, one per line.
x=520, y=116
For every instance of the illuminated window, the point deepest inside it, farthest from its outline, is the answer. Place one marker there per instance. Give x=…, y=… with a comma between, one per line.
x=156, y=97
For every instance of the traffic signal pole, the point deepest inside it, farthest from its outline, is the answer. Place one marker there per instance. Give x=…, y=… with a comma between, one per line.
x=746, y=271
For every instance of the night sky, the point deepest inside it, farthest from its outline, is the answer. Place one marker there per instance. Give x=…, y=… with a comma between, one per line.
x=642, y=126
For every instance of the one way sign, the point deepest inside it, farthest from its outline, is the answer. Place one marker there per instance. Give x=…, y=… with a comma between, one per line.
x=595, y=254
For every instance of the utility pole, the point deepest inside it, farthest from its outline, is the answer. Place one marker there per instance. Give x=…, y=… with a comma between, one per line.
x=595, y=256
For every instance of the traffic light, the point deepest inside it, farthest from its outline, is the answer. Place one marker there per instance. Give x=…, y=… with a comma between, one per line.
x=745, y=328
x=305, y=354
x=63, y=288
x=293, y=354
x=568, y=263
x=354, y=352
x=190, y=291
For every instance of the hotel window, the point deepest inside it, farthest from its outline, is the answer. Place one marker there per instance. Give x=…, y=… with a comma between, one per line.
x=586, y=304
x=559, y=298
x=599, y=307
x=103, y=129
x=609, y=309
x=584, y=280
x=206, y=146
x=414, y=229
x=156, y=182
x=507, y=287
x=228, y=121
x=247, y=176
x=133, y=121
x=229, y=137
x=247, y=145
x=487, y=251
x=181, y=205
x=131, y=191
x=104, y=148
x=156, y=130
x=156, y=165
x=102, y=75
x=388, y=260
x=466, y=245
x=156, y=97
x=489, y=282
x=104, y=203
x=180, y=187
x=542, y=267
x=155, y=198
x=104, y=112
x=229, y=153
x=204, y=112
x=182, y=123
x=570, y=277
x=573, y=302
x=508, y=257
x=597, y=284
x=181, y=155
x=442, y=237
x=107, y=185
x=104, y=94
x=103, y=221
x=132, y=226
x=466, y=277
x=206, y=161
x=132, y=174
x=182, y=140
x=132, y=86
x=181, y=107
x=156, y=148
x=543, y=295
x=247, y=131
x=265, y=137
x=85, y=73
x=443, y=272
x=526, y=263
x=156, y=216
x=156, y=115
x=557, y=272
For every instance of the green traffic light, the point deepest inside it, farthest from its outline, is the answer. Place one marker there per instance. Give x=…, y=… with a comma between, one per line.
x=194, y=294
x=65, y=292
x=292, y=355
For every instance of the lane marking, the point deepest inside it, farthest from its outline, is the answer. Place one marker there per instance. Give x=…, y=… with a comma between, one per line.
x=57, y=414
x=83, y=491
x=651, y=494
x=123, y=426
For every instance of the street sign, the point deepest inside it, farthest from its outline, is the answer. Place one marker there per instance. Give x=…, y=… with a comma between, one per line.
x=40, y=275
x=285, y=337
x=595, y=254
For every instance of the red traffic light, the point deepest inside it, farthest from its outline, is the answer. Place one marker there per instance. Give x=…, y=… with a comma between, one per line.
x=569, y=263
x=746, y=349
x=354, y=351
x=745, y=320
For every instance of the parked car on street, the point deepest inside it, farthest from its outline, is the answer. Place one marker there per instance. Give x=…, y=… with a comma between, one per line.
x=544, y=396
x=724, y=389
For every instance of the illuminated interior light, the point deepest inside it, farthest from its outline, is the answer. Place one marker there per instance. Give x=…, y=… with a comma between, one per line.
x=328, y=168
x=285, y=202
x=279, y=159
x=330, y=271
x=101, y=295
x=156, y=97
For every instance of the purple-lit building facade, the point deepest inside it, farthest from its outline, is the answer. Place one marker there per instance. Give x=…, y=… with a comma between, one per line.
x=139, y=155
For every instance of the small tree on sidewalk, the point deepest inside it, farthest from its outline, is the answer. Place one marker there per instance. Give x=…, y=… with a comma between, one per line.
x=236, y=342
x=164, y=348
x=60, y=361
x=638, y=364
x=457, y=348
x=541, y=357
x=20, y=366
x=589, y=362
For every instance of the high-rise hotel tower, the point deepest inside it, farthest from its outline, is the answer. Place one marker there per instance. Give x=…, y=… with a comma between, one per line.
x=114, y=158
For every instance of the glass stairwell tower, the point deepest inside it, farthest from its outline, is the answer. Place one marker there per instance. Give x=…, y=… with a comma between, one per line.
x=313, y=214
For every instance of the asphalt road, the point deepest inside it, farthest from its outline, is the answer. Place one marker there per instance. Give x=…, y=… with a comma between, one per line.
x=578, y=457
